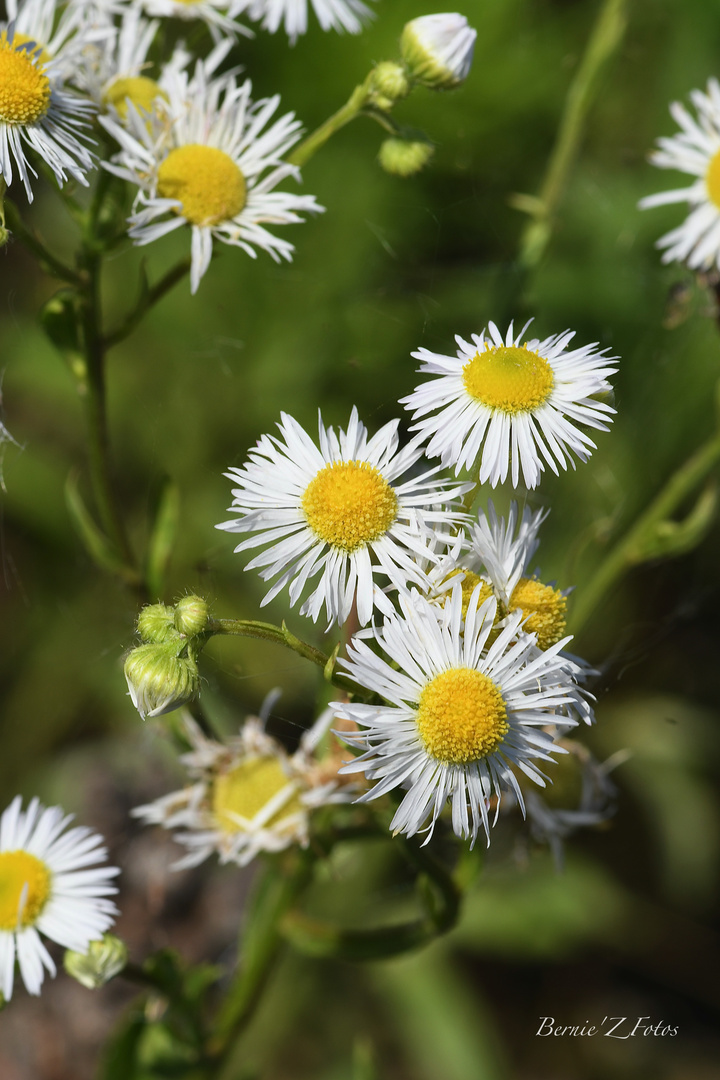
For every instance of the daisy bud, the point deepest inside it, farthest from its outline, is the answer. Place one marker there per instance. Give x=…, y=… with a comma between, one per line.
x=103, y=960
x=191, y=615
x=389, y=84
x=156, y=623
x=404, y=158
x=159, y=681
x=437, y=50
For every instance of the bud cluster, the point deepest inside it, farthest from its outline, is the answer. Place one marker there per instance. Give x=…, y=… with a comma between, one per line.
x=162, y=673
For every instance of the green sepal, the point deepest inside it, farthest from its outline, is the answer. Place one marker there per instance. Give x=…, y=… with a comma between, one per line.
x=163, y=535
x=100, y=549
x=329, y=669
x=669, y=538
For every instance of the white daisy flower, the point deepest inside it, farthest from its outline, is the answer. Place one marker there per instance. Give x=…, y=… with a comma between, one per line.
x=337, y=509
x=462, y=713
x=48, y=885
x=511, y=404
x=36, y=112
x=249, y=795
x=218, y=15
x=61, y=32
x=203, y=160
x=331, y=14
x=694, y=150
x=112, y=70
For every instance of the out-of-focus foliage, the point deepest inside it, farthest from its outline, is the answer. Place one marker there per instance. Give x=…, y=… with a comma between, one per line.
x=392, y=265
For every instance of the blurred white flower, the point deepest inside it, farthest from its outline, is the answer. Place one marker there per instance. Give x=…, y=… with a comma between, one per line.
x=694, y=150
x=249, y=795
x=48, y=885
x=218, y=15
x=331, y=14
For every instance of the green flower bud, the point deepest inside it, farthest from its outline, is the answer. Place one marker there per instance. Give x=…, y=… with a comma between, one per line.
x=156, y=623
x=103, y=960
x=159, y=681
x=389, y=84
x=191, y=615
x=437, y=50
x=402, y=157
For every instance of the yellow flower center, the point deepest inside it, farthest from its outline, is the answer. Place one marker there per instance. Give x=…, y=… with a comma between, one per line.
x=24, y=87
x=140, y=90
x=461, y=716
x=349, y=504
x=469, y=582
x=712, y=179
x=24, y=889
x=545, y=608
x=508, y=378
x=205, y=181
x=246, y=789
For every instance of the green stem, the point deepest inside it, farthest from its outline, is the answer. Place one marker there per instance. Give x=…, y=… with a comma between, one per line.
x=92, y=391
x=604, y=40
x=35, y=246
x=279, y=888
x=148, y=299
x=280, y=635
x=630, y=550
x=352, y=108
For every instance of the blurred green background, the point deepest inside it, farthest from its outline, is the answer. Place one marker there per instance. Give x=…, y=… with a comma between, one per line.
x=630, y=928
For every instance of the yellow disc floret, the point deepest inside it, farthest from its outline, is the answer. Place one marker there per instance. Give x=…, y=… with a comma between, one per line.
x=712, y=179
x=140, y=90
x=469, y=582
x=24, y=889
x=508, y=378
x=24, y=87
x=239, y=795
x=544, y=607
x=349, y=504
x=461, y=716
x=205, y=181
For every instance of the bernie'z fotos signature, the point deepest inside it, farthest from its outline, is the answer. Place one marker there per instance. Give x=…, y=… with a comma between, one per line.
x=612, y=1027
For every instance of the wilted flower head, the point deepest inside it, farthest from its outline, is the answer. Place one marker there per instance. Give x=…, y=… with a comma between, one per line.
x=249, y=795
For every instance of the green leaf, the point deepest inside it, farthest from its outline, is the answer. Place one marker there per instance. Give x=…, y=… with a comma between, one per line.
x=120, y=1061
x=668, y=538
x=162, y=536
x=100, y=549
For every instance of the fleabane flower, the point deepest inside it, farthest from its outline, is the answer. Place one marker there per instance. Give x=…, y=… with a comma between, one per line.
x=466, y=705
x=497, y=556
x=50, y=884
x=694, y=150
x=218, y=15
x=113, y=71
x=61, y=32
x=38, y=113
x=293, y=14
x=438, y=49
x=341, y=510
x=511, y=404
x=248, y=795
x=202, y=159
